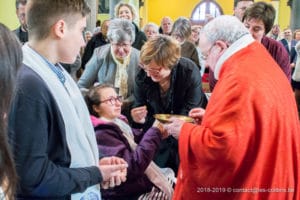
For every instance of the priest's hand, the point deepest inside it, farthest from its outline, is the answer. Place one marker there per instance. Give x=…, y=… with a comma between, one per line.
x=197, y=114
x=173, y=128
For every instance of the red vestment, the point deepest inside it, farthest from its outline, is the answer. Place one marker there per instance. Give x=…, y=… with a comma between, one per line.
x=247, y=146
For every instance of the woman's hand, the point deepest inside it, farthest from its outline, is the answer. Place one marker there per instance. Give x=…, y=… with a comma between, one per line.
x=197, y=114
x=163, y=132
x=139, y=114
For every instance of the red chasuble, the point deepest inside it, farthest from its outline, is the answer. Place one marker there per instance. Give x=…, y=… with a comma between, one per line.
x=247, y=146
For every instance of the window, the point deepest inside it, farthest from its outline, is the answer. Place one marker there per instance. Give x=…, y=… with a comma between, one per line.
x=204, y=10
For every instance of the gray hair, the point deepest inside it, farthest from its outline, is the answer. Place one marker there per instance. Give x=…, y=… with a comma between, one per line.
x=226, y=28
x=151, y=24
x=120, y=30
x=182, y=28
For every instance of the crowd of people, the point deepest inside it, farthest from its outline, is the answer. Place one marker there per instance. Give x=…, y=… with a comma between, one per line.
x=94, y=135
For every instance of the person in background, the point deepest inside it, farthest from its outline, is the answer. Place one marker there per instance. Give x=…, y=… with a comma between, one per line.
x=116, y=138
x=127, y=11
x=194, y=38
x=259, y=19
x=116, y=63
x=167, y=83
x=166, y=25
x=87, y=36
x=247, y=137
x=97, y=40
x=182, y=31
x=240, y=7
x=275, y=33
x=296, y=77
x=97, y=29
x=151, y=30
x=21, y=32
x=289, y=43
x=296, y=35
x=73, y=68
x=10, y=62
x=50, y=132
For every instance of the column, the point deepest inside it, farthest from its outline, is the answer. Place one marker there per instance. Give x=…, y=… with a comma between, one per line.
x=91, y=20
x=295, y=14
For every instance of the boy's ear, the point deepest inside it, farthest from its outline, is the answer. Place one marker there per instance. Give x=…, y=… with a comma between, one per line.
x=59, y=28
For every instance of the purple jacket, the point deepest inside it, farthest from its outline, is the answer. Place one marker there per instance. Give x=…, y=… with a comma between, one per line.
x=111, y=142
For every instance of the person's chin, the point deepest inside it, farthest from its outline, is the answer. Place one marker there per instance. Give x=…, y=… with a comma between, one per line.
x=155, y=79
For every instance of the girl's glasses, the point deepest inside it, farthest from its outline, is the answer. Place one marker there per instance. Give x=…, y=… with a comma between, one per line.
x=113, y=100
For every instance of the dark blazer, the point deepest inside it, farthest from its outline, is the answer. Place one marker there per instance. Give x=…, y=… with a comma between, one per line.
x=140, y=38
x=96, y=41
x=292, y=52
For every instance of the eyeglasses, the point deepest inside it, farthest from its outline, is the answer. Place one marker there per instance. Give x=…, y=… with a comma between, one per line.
x=121, y=45
x=113, y=100
x=149, y=70
x=204, y=56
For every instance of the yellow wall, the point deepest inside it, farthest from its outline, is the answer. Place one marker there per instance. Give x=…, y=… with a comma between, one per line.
x=8, y=14
x=153, y=11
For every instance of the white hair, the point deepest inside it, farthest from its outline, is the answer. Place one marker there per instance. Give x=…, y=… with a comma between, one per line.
x=151, y=24
x=120, y=30
x=226, y=28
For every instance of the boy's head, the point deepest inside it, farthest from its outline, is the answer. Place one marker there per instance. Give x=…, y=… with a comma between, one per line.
x=43, y=14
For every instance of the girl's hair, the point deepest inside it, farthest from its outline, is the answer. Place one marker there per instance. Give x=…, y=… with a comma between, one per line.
x=10, y=60
x=93, y=97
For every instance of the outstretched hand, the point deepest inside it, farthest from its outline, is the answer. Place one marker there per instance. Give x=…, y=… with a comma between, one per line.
x=173, y=128
x=197, y=114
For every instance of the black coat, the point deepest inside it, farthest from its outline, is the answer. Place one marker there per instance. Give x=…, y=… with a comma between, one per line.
x=185, y=93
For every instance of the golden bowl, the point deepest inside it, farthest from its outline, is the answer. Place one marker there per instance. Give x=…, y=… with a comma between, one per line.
x=165, y=118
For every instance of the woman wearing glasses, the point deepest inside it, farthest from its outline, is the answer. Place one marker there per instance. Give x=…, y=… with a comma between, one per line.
x=115, y=63
x=116, y=138
x=168, y=84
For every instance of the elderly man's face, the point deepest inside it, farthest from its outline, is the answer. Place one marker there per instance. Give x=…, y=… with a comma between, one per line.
x=210, y=52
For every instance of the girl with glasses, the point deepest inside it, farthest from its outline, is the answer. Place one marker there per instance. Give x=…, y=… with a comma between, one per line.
x=116, y=138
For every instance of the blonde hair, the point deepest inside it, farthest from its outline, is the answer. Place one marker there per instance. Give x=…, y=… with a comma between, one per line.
x=128, y=5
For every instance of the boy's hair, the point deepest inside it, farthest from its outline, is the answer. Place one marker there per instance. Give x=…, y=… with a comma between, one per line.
x=42, y=14
x=262, y=11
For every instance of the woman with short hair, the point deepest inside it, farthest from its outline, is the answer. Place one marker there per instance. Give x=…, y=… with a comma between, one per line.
x=115, y=63
x=168, y=84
